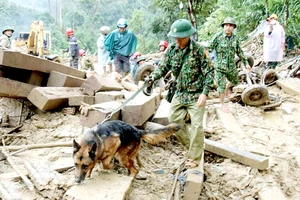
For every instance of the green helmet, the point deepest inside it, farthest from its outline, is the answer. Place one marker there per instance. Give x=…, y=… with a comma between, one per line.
x=181, y=28
x=6, y=28
x=229, y=20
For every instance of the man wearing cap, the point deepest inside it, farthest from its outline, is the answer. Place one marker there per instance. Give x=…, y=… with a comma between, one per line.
x=226, y=44
x=121, y=43
x=274, y=42
x=5, y=38
x=193, y=73
x=103, y=55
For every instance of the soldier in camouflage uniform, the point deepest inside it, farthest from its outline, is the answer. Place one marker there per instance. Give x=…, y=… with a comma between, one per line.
x=226, y=44
x=193, y=73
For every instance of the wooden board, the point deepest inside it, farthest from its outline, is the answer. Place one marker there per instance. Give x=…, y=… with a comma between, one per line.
x=25, y=61
x=238, y=155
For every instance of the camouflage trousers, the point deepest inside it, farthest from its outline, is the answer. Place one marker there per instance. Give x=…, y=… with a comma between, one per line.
x=193, y=137
x=222, y=77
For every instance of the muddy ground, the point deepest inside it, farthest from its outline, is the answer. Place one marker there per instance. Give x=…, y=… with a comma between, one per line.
x=275, y=134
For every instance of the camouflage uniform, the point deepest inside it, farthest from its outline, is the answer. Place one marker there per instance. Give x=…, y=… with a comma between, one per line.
x=194, y=75
x=86, y=63
x=226, y=48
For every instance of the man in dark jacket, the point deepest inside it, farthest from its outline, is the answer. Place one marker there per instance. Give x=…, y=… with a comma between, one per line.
x=73, y=48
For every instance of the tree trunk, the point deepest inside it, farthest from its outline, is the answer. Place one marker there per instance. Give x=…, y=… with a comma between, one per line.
x=286, y=17
x=49, y=5
x=60, y=16
x=267, y=8
x=192, y=17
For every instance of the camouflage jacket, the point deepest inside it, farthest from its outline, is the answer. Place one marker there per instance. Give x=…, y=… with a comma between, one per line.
x=192, y=69
x=226, y=48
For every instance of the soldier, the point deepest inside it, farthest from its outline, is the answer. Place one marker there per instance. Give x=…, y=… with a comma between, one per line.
x=121, y=43
x=5, y=38
x=226, y=44
x=73, y=48
x=193, y=73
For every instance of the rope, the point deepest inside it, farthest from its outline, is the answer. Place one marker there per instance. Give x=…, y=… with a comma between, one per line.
x=124, y=104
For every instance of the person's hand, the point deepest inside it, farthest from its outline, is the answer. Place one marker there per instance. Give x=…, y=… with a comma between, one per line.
x=202, y=100
x=283, y=46
x=149, y=80
x=248, y=67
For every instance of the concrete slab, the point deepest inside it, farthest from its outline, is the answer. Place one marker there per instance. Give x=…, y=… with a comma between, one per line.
x=103, y=186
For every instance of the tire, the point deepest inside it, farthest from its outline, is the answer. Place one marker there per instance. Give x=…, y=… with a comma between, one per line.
x=269, y=77
x=142, y=72
x=58, y=59
x=255, y=95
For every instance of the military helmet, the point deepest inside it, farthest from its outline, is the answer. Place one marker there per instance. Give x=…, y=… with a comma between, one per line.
x=104, y=30
x=6, y=28
x=229, y=20
x=122, y=23
x=181, y=28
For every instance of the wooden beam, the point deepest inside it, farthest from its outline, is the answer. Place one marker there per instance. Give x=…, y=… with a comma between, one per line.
x=241, y=156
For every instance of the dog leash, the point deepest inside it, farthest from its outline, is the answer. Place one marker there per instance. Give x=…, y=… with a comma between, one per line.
x=124, y=104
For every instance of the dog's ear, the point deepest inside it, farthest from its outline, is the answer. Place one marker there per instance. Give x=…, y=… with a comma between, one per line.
x=93, y=150
x=76, y=146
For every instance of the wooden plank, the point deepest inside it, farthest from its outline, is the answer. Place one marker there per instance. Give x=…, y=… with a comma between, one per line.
x=194, y=182
x=48, y=98
x=162, y=113
x=139, y=109
x=100, y=112
x=15, y=89
x=290, y=85
x=96, y=83
x=25, y=61
x=272, y=192
x=102, y=186
x=238, y=155
x=60, y=165
x=228, y=121
x=57, y=79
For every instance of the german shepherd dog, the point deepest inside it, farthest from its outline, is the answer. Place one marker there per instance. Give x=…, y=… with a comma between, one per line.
x=114, y=139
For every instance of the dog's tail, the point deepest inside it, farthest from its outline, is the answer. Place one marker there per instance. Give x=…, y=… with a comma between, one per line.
x=159, y=135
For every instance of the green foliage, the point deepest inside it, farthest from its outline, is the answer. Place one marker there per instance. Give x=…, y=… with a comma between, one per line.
x=150, y=20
